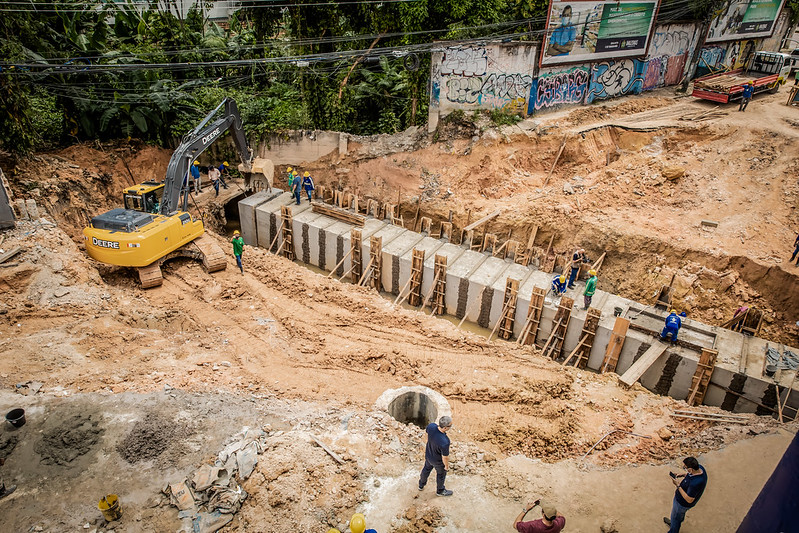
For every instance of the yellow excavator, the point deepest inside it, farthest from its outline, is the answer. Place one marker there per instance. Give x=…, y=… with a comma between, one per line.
x=155, y=226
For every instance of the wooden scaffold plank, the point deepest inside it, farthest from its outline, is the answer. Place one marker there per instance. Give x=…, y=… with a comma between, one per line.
x=555, y=342
x=643, y=363
x=376, y=259
x=356, y=271
x=616, y=343
x=440, y=285
x=530, y=328
x=417, y=271
x=701, y=379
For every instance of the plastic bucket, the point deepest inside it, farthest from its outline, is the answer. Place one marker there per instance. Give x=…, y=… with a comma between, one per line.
x=617, y=311
x=770, y=370
x=16, y=417
x=109, y=506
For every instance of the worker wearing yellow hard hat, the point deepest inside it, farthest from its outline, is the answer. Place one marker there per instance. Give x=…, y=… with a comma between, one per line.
x=223, y=169
x=238, y=249
x=308, y=184
x=195, y=175
x=290, y=176
x=590, y=288
x=559, y=285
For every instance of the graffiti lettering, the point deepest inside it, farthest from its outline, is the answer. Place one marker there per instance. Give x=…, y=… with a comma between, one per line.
x=507, y=86
x=464, y=90
x=561, y=88
x=655, y=68
x=670, y=43
x=466, y=61
x=611, y=79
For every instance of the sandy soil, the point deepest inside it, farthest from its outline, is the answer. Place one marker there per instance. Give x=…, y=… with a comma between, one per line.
x=286, y=349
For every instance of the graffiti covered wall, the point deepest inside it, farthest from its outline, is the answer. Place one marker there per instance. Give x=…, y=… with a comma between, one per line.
x=610, y=79
x=492, y=76
x=669, y=54
x=555, y=88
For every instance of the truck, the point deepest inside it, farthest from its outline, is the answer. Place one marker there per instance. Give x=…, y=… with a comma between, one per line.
x=155, y=225
x=766, y=70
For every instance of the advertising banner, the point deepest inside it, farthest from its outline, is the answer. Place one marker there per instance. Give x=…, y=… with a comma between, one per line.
x=584, y=31
x=744, y=19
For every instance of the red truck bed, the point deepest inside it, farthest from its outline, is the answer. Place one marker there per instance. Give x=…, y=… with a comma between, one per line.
x=726, y=86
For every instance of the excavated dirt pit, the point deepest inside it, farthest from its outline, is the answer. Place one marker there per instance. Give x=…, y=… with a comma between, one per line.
x=301, y=356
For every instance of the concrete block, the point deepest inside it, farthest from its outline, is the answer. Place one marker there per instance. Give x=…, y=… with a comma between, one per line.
x=513, y=271
x=458, y=299
x=247, y=206
x=428, y=245
x=480, y=285
x=33, y=210
x=396, y=249
x=267, y=219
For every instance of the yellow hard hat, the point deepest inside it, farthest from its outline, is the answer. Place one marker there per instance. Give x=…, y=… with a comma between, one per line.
x=592, y=272
x=562, y=278
x=226, y=164
x=358, y=523
x=197, y=163
x=289, y=170
x=333, y=530
x=674, y=311
x=306, y=174
x=236, y=232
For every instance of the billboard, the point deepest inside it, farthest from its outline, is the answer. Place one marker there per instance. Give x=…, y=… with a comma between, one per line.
x=583, y=31
x=744, y=19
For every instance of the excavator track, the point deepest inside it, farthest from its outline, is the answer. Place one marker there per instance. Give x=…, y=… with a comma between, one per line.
x=150, y=276
x=213, y=257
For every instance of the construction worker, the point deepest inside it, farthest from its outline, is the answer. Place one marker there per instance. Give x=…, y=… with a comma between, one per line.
x=238, y=248
x=214, y=175
x=290, y=177
x=195, y=176
x=559, y=285
x=673, y=323
x=690, y=487
x=436, y=455
x=308, y=184
x=749, y=90
x=551, y=520
x=224, y=169
x=296, y=188
x=590, y=288
x=578, y=257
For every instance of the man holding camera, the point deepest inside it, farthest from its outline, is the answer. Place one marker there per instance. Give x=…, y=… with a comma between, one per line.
x=550, y=522
x=690, y=487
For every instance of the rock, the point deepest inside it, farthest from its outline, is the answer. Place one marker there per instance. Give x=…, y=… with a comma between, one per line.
x=567, y=188
x=609, y=526
x=665, y=434
x=673, y=173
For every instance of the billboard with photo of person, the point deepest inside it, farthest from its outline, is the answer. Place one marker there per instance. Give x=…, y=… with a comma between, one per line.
x=584, y=31
x=744, y=19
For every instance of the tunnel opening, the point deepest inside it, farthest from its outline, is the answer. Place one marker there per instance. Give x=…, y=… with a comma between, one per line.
x=232, y=217
x=413, y=408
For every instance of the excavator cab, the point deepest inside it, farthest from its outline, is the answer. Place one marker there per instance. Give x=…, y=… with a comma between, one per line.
x=145, y=197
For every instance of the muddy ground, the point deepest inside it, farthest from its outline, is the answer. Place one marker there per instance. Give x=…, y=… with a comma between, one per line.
x=138, y=388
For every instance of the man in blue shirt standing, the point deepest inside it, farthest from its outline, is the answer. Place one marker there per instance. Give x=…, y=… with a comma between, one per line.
x=749, y=89
x=690, y=488
x=562, y=39
x=436, y=455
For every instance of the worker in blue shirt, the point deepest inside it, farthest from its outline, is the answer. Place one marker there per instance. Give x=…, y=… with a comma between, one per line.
x=749, y=90
x=563, y=37
x=195, y=176
x=559, y=284
x=673, y=323
x=308, y=184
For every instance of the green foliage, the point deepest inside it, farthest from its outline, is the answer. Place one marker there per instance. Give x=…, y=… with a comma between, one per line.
x=502, y=117
x=47, y=120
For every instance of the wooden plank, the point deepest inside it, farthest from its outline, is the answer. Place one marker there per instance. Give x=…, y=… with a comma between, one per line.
x=338, y=213
x=330, y=452
x=576, y=349
x=557, y=157
x=615, y=345
x=644, y=362
x=483, y=220
x=9, y=254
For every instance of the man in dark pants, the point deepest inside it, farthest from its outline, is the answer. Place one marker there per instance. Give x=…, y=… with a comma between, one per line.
x=690, y=488
x=436, y=455
x=795, y=250
x=578, y=257
x=749, y=90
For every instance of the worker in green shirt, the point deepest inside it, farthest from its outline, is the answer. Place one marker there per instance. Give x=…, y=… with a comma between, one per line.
x=238, y=248
x=590, y=288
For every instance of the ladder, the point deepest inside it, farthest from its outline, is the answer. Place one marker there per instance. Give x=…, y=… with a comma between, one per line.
x=357, y=255
x=376, y=259
x=554, y=343
x=530, y=328
x=417, y=270
x=701, y=379
x=288, y=235
x=583, y=348
x=506, y=319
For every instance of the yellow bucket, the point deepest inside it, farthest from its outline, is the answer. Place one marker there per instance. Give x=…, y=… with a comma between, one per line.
x=109, y=506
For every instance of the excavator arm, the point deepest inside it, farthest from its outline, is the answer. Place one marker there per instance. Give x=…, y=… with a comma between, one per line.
x=176, y=184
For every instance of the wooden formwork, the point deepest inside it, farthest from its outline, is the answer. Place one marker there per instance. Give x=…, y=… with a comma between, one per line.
x=425, y=225
x=489, y=243
x=615, y=345
x=554, y=343
x=417, y=271
x=583, y=349
x=288, y=234
x=530, y=328
x=506, y=318
x=376, y=262
x=446, y=231
x=357, y=255
x=701, y=379
x=439, y=288
x=525, y=254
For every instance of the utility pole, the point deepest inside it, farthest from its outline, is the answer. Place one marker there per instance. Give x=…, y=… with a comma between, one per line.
x=703, y=28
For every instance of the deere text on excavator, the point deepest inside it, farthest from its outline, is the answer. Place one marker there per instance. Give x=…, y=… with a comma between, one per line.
x=155, y=224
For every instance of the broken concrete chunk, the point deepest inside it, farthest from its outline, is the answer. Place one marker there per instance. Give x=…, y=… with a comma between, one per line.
x=210, y=522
